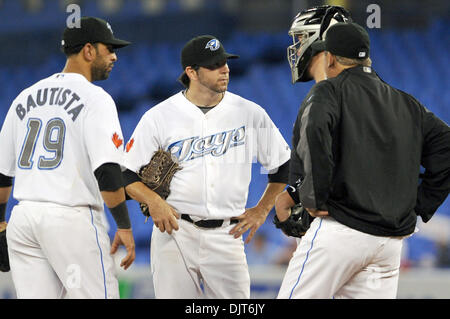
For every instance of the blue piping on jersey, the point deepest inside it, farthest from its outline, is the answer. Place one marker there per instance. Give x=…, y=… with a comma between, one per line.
x=306, y=259
x=101, y=253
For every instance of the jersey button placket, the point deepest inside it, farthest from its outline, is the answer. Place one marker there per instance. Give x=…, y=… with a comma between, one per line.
x=208, y=164
x=205, y=163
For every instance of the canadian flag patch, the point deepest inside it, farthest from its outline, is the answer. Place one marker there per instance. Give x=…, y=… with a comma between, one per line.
x=129, y=145
x=117, y=140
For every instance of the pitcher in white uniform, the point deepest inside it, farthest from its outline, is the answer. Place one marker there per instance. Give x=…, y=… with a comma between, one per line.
x=197, y=250
x=62, y=143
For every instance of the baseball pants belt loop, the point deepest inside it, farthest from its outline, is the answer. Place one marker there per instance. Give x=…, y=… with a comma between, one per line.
x=207, y=223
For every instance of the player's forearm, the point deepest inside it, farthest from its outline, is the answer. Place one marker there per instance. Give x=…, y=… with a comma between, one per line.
x=283, y=205
x=137, y=190
x=110, y=183
x=113, y=198
x=6, y=183
x=4, y=196
x=141, y=193
x=269, y=196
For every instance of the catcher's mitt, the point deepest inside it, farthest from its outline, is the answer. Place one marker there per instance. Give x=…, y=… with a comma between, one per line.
x=297, y=224
x=4, y=259
x=158, y=174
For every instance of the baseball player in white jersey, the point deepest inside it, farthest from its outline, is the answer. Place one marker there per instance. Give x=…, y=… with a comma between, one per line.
x=198, y=251
x=62, y=143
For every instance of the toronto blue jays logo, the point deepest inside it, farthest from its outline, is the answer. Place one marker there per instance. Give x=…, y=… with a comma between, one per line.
x=216, y=145
x=213, y=45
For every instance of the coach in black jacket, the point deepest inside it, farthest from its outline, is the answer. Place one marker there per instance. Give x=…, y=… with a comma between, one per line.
x=359, y=146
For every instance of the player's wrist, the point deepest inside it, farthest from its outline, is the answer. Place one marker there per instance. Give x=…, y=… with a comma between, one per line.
x=283, y=214
x=120, y=215
x=156, y=202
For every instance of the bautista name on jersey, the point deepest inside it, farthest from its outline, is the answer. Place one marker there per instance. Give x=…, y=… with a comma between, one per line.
x=216, y=151
x=57, y=96
x=60, y=129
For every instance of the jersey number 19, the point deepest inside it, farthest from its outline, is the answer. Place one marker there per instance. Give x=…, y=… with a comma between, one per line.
x=53, y=143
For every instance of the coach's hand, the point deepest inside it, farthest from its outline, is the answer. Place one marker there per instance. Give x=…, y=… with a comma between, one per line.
x=251, y=219
x=163, y=215
x=283, y=205
x=124, y=237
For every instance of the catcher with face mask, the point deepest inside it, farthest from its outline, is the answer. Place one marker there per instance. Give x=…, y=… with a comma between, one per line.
x=307, y=63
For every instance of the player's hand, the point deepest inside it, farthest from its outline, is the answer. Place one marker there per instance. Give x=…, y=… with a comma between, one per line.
x=316, y=212
x=251, y=219
x=164, y=216
x=3, y=226
x=283, y=205
x=124, y=237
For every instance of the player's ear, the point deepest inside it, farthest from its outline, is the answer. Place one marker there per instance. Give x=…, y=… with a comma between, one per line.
x=89, y=52
x=191, y=73
x=329, y=60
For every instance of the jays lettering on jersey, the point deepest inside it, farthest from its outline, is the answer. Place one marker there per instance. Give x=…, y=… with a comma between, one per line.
x=216, y=151
x=56, y=133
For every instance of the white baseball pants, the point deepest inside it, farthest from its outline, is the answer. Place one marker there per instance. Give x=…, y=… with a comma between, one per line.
x=196, y=263
x=60, y=252
x=335, y=261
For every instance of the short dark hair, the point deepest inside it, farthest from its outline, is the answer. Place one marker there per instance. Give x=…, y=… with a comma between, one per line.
x=348, y=61
x=184, y=79
x=69, y=51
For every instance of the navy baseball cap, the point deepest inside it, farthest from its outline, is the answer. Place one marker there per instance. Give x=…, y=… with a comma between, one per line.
x=348, y=40
x=91, y=30
x=205, y=51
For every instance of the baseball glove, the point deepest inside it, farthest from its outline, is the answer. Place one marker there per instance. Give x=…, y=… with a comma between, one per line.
x=297, y=224
x=4, y=259
x=158, y=174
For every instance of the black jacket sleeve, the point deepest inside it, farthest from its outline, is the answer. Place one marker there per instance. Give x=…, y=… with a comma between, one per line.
x=295, y=164
x=314, y=149
x=435, y=185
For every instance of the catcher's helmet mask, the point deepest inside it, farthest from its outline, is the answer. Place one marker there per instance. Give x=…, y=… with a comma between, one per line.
x=309, y=26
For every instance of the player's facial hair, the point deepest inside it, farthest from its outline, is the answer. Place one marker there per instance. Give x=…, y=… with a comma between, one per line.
x=99, y=68
x=212, y=86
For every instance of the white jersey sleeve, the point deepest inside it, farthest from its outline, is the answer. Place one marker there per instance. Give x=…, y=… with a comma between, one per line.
x=272, y=149
x=143, y=143
x=102, y=132
x=7, y=159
